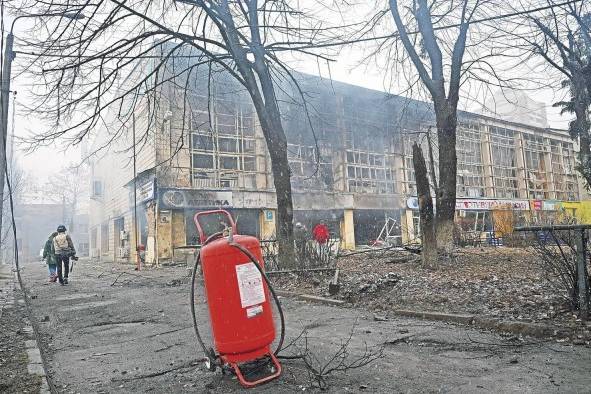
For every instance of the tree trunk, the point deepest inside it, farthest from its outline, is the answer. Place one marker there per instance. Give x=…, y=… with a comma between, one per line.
x=277, y=147
x=446, y=193
x=429, y=240
x=581, y=125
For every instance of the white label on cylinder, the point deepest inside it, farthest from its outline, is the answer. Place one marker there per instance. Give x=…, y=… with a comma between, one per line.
x=254, y=311
x=250, y=285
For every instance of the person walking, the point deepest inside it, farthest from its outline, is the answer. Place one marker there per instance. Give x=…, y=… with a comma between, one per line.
x=49, y=257
x=64, y=248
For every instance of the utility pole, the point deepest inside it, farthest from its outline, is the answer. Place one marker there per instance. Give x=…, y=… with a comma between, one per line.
x=4, y=98
x=5, y=93
x=138, y=263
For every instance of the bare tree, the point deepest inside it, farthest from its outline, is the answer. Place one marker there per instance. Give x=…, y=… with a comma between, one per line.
x=427, y=56
x=20, y=185
x=557, y=252
x=67, y=187
x=106, y=63
x=562, y=38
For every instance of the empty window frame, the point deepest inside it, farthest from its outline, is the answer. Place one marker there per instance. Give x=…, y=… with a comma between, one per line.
x=369, y=165
x=306, y=171
x=535, y=166
x=504, y=162
x=563, y=172
x=222, y=153
x=367, y=149
x=470, y=167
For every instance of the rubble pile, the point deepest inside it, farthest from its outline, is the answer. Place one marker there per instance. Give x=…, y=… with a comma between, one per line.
x=499, y=282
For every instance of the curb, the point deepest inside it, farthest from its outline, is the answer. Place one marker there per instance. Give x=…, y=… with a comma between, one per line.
x=437, y=316
x=36, y=365
x=535, y=330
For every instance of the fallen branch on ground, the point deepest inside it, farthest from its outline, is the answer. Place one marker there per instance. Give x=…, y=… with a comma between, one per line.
x=320, y=368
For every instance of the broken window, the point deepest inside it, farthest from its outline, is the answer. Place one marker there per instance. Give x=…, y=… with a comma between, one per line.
x=306, y=171
x=470, y=168
x=369, y=171
x=534, y=152
x=564, y=177
x=504, y=165
x=226, y=152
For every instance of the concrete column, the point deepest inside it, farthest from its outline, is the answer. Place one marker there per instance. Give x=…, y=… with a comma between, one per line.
x=348, y=230
x=151, y=239
x=178, y=232
x=487, y=163
x=521, y=170
x=550, y=185
x=410, y=230
x=399, y=175
x=164, y=234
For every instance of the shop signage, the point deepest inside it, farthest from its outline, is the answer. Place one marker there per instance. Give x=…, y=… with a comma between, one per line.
x=145, y=192
x=536, y=205
x=187, y=198
x=487, y=205
x=478, y=204
x=550, y=206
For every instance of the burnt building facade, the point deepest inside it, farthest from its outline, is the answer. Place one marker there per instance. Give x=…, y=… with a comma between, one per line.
x=350, y=160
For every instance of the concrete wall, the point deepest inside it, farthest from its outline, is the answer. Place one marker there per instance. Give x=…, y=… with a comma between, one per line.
x=113, y=168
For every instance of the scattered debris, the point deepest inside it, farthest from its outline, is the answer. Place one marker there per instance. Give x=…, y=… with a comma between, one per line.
x=377, y=317
x=501, y=283
x=175, y=282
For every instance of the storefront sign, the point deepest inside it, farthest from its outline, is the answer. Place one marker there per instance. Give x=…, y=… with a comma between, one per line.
x=551, y=206
x=145, y=192
x=187, y=198
x=478, y=204
x=488, y=205
x=536, y=205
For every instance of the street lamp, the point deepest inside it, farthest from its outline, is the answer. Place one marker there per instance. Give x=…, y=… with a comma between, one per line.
x=9, y=56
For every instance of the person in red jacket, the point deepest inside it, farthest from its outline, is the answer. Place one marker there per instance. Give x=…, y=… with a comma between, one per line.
x=321, y=233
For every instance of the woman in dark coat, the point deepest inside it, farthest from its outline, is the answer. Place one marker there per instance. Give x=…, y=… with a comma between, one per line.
x=49, y=257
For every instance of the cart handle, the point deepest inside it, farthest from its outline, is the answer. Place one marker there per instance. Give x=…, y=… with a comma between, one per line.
x=202, y=235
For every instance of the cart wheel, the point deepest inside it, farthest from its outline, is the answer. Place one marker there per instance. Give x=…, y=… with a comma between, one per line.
x=210, y=363
x=227, y=370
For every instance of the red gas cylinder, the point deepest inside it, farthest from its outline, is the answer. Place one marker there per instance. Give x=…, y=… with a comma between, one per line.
x=238, y=299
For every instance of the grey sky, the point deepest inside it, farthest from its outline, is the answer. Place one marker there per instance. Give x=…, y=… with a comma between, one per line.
x=46, y=160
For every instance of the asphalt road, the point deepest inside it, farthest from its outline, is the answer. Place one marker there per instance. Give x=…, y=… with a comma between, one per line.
x=115, y=330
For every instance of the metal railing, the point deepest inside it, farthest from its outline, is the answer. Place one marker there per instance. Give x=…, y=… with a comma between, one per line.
x=309, y=254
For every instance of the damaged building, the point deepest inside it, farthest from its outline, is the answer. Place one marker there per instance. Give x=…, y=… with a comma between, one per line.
x=350, y=157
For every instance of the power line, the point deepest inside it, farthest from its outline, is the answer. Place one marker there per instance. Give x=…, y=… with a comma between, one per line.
x=444, y=27
x=330, y=44
x=86, y=57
